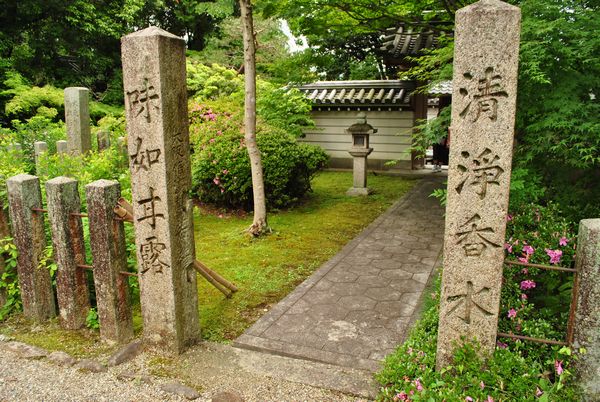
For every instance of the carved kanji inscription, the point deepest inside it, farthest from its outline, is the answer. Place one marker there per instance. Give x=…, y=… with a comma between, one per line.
x=479, y=172
x=475, y=238
x=467, y=301
x=483, y=97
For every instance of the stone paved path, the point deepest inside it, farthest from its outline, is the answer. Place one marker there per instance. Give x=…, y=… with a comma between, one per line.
x=357, y=307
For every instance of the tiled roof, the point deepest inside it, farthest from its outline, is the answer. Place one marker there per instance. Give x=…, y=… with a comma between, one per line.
x=442, y=88
x=359, y=93
x=408, y=41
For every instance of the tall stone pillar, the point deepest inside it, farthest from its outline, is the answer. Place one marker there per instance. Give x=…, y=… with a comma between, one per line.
x=77, y=120
x=483, y=113
x=24, y=195
x=159, y=157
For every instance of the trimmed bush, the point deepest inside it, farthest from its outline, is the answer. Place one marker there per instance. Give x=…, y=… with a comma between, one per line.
x=221, y=167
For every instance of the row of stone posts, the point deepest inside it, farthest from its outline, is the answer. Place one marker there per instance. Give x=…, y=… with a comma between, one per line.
x=159, y=160
x=107, y=245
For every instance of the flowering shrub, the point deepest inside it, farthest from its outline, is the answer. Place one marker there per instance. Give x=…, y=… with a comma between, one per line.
x=221, y=167
x=536, y=302
x=510, y=374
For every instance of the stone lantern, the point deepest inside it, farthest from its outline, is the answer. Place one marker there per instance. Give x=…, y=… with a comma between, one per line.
x=360, y=132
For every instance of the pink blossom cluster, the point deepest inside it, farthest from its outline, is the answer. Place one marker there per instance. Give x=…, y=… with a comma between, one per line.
x=527, y=284
x=554, y=255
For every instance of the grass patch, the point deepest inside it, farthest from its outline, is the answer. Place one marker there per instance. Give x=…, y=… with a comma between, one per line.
x=268, y=268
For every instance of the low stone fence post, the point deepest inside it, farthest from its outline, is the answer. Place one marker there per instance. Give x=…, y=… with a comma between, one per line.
x=107, y=238
x=39, y=148
x=587, y=319
x=62, y=147
x=24, y=195
x=69, y=251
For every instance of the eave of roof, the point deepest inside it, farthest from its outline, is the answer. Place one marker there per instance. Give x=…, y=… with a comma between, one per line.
x=360, y=93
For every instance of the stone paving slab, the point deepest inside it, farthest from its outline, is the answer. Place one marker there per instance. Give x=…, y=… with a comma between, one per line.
x=358, y=306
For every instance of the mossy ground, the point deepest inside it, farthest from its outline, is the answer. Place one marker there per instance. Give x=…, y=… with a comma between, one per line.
x=264, y=269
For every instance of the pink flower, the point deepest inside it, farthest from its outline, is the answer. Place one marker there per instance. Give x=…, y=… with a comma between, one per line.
x=225, y=171
x=211, y=140
x=402, y=396
x=538, y=392
x=418, y=385
x=468, y=399
x=528, y=249
x=220, y=216
x=563, y=241
x=524, y=259
x=558, y=367
x=508, y=247
x=482, y=385
x=489, y=399
x=512, y=313
x=554, y=255
x=219, y=132
x=523, y=296
x=222, y=190
x=216, y=181
x=524, y=271
x=501, y=345
x=527, y=284
x=509, y=217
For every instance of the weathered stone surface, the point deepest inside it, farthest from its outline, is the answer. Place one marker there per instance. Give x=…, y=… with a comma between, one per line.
x=130, y=375
x=77, y=120
x=158, y=144
x=125, y=354
x=24, y=193
x=91, y=365
x=227, y=396
x=5, y=338
x=181, y=390
x=62, y=359
x=107, y=240
x=103, y=138
x=69, y=251
x=26, y=351
x=62, y=147
x=587, y=319
x=483, y=114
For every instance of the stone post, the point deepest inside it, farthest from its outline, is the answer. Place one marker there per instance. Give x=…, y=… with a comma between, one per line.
x=39, y=148
x=360, y=132
x=122, y=146
x=77, y=120
x=103, y=138
x=61, y=147
x=483, y=114
x=587, y=319
x=16, y=147
x=28, y=232
x=159, y=157
x=107, y=239
x=69, y=251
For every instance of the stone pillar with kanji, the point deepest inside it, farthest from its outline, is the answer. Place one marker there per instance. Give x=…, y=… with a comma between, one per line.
x=159, y=159
x=483, y=115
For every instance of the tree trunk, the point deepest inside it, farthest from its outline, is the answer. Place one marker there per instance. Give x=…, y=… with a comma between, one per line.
x=259, y=225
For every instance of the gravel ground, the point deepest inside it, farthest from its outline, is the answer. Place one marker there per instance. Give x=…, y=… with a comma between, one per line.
x=26, y=379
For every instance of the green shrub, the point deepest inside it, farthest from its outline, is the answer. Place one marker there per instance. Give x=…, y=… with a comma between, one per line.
x=221, y=167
